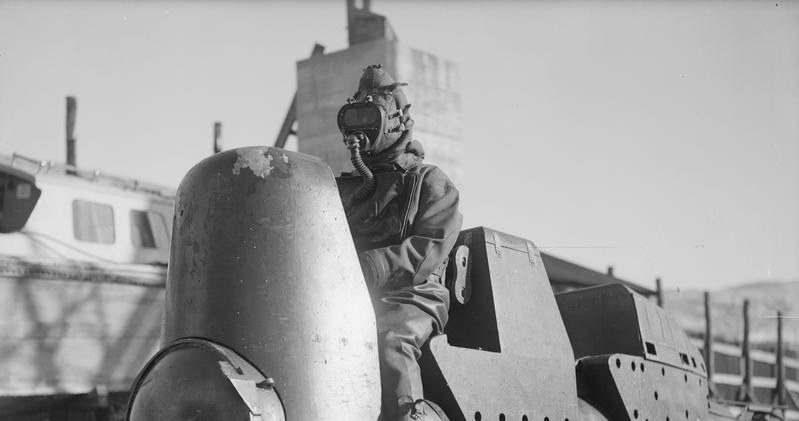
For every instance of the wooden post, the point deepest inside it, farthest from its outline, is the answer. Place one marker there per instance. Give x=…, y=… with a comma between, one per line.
x=746, y=393
x=72, y=109
x=217, y=137
x=659, y=291
x=710, y=361
x=291, y=114
x=779, y=390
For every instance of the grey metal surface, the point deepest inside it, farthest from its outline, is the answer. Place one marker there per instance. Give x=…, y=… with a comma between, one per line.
x=506, y=354
x=486, y=385
x=263, y=263
x=588, y=412
x=625, y=387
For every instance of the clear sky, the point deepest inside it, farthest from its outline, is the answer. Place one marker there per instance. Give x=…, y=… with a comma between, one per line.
x=658, y=137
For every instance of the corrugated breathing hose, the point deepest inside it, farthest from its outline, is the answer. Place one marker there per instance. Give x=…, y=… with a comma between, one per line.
x=369, y=184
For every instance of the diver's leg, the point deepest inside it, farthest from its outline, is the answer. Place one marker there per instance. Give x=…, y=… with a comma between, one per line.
x=401, y=333
x=405, y=321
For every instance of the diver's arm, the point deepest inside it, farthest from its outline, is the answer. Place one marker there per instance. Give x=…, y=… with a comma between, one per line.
x=432, y=235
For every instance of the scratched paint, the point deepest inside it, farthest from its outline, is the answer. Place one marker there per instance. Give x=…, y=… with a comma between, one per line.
x=257, y=160
x=264, y=162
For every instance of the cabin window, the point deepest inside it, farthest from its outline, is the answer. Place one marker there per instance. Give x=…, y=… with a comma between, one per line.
x=93, y=222
x=148, y=229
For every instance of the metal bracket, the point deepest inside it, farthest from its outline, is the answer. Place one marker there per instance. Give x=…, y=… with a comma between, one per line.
x=530, y=252
x=461, y=285
x=244, y=385
x=497, y=243
x=255, y=389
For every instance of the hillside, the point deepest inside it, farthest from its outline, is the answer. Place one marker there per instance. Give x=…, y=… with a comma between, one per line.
x=765, y=299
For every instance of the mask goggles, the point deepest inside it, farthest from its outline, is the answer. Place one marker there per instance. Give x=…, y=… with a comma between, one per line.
x=367, y=121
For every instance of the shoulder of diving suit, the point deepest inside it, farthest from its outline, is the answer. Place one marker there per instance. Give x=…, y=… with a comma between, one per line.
x=434, y=181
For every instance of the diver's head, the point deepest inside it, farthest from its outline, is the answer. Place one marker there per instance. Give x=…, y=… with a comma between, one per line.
x=376, y=116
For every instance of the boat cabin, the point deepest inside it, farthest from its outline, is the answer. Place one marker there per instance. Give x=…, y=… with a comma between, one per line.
x=55, y=211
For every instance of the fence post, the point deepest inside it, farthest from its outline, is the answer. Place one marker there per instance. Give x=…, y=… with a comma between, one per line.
x=710, y=363
x=779, y=390
x=217, y=137
x=72, y=110
x=746, y=393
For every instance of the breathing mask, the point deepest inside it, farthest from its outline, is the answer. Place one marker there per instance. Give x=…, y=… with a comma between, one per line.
x=376, y=126
x=373, y=120
x=376, y=115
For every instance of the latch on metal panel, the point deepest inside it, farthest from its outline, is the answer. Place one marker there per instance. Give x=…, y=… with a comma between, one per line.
x=256, y=390
x=530, y=252
x=244, y=385
x=497, y=243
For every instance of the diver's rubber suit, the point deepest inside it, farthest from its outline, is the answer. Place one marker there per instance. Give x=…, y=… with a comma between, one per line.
x=403, y=234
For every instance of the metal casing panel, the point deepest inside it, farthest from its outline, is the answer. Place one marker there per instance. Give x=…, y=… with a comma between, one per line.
x=512, y=308
x=614, y=319
x=262, y=262
x=661, y=333
x=625, y=387
x=601, y=320
x=528, y=358
x=474, y=324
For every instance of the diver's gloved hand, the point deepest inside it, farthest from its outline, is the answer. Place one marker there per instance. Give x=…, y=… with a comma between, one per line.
x=375, y=268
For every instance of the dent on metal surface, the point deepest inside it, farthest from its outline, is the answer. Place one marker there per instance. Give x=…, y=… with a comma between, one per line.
x=263, y=262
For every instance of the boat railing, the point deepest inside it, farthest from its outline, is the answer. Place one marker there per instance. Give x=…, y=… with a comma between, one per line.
x=45, y=167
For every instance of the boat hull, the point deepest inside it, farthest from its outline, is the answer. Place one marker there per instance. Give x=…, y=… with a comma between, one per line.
x=74, y=329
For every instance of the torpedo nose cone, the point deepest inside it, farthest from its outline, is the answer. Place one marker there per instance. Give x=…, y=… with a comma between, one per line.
x=262, y=262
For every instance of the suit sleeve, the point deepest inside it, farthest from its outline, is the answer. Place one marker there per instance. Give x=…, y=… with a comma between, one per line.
x=431, y=236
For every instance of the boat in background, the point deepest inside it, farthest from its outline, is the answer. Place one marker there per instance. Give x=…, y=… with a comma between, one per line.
x=83, y=259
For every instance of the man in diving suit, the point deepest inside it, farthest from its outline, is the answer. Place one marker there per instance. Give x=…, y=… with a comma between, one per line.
x=404, y=219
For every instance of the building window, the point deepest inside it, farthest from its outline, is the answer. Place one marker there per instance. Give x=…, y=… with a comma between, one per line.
x=148, y=229
x=93, y=222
